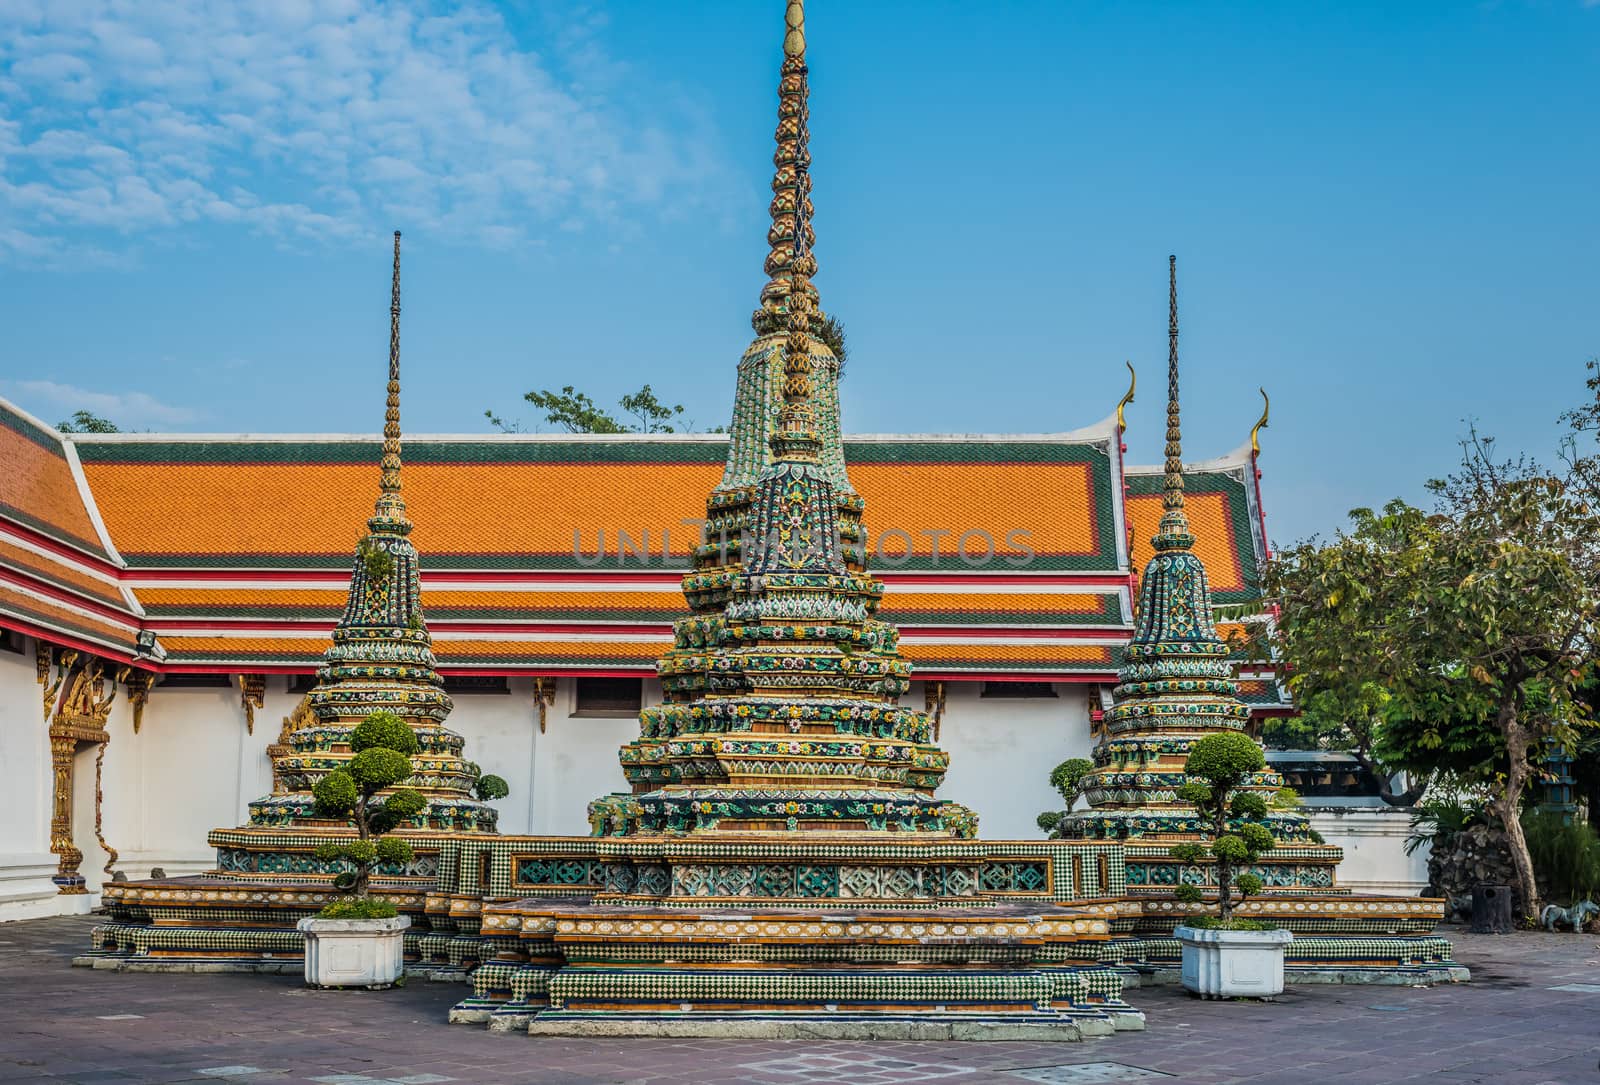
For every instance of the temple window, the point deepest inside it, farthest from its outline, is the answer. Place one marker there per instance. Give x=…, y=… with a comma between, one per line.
x=197, y=681
x=1018, y=689
x=457, y=684
x=608, y=697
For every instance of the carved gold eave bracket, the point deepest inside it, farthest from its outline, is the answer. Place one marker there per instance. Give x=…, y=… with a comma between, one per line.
x=138, y=684
x=544, y=696
x=252, y=695
x=933, y=698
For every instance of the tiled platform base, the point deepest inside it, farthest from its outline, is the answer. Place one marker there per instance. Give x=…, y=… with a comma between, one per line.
x=580, y=968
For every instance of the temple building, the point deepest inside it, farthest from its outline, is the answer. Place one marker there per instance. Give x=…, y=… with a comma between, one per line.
x=203, y=575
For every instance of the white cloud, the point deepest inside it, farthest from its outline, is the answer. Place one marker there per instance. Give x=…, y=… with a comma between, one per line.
x=129, y=410
x=319, y=121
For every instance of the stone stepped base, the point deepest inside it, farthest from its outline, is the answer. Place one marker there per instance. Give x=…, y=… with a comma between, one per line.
x=580, y=967
x=839, y=1026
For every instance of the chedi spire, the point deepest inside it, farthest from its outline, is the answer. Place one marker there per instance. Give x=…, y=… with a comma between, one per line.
x=382, y=656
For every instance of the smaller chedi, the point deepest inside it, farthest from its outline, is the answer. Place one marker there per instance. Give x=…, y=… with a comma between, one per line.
x=381, y=660
x=1177, y=688
x=303, y=848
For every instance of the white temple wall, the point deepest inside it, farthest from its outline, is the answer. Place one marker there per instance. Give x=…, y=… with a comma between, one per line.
x=26, y=864
x=1373, y=839
x=576, y=762
x=193, y=767
x=1002, y=750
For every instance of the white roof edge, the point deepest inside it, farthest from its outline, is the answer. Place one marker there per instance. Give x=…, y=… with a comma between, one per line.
x=1231, y=461
x=87, y=497
x=1098, y=432
x=29, y=416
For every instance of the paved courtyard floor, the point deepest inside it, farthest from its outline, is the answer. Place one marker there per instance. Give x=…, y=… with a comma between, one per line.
x=1531, y=1015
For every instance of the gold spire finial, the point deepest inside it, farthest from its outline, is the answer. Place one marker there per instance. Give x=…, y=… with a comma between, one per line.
x=391, y=507
x=1173, y=533
x=794, y=40
x=789, y=263
x=1127, y=398
x=1261, y=423
x=796, y=437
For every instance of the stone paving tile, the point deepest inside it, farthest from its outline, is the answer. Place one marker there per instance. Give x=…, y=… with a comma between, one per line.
x=64, y=1025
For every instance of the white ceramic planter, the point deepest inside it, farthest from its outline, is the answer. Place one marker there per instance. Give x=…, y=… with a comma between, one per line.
x=354, y=952
x=1233, y=964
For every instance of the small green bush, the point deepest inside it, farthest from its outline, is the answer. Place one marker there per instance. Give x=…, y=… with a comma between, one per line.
x=1212, y=923
x=376, y=562
x=1220, y=766
x=378, y=767
x=384, y=729
x=358, y=908
x=1065, y=778
x=1188, y=894
x=391, y=849
x=1566, y=856
x=335, y=795
x=491, y=787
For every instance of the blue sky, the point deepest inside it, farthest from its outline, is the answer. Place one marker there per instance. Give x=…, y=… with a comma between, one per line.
x=1384, y=213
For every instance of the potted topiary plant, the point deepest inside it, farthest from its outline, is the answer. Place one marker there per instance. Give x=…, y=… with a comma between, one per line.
x=358, y=940
x=1225, y=956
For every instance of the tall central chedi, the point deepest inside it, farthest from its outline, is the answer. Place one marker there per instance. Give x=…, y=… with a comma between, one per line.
x=782, y=689
x=781, y=856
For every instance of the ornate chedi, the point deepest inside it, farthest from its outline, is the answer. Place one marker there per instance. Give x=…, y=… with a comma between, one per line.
x=782, y=688
x=1177, y=685
x=268, y=875
x=381, y=659
x=781, y=856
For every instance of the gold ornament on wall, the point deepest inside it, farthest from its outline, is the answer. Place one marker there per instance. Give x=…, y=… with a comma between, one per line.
x=81, y=718
x=253, y=695
x=544, y=695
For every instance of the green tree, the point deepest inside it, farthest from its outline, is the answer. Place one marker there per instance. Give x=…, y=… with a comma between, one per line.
x=87, y=422
x=1475, y=624
x=383, y=745
x=1064, y=778
x=1220, y=768
x=652, y=415
x=575, y=412
x=833, y=337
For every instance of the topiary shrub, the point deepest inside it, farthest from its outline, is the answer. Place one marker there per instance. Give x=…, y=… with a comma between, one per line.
x=1064, y=778
x=1218, y=767
x=383, y=746
x=491, y=787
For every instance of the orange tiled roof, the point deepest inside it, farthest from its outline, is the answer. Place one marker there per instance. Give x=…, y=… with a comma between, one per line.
x=56, y=575
x=239, y=549
x=37, y=489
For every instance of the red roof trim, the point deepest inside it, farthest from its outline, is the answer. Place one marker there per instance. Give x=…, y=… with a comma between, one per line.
x=60, y=549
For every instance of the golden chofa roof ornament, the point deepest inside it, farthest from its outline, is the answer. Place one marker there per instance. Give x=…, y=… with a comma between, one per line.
x=1127, y=398
x=1261, y=423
